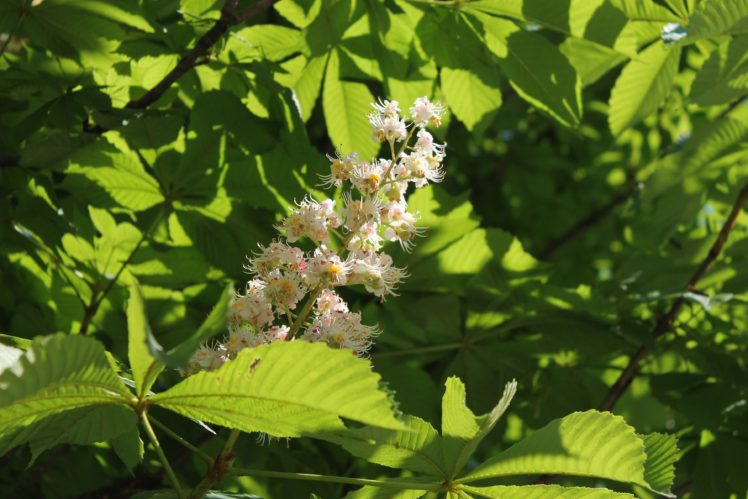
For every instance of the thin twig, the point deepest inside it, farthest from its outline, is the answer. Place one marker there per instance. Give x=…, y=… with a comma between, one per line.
x=228, y=19
x=665, y=322
x=592, y=219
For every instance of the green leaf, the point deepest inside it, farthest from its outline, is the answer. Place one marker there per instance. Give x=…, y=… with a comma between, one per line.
x=145, y=367
x=643, y=86
x=119, y=173
x=597, y=21
x=662, y=452
x=543, y=492
x=371, y=492
x=300, y=13
x=57, y=373
x=724, y=76
x=590, y=60
x=266, y=41
x=416, y=448
x=715, y=18
x=9, y=356
x=284, y=389
x=346, y=106
x=82, y=426
x=129, y=447
x=536, y=68
x=215, y=323
x=572, y=446
x=461, y=430
x=472, y=98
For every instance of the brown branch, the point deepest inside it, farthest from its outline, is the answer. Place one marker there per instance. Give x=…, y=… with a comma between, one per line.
x=586, y=223
x=228, y=19
x=665, y=322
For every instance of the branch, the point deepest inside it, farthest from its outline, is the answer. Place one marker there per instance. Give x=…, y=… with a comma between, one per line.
x=665, y=322
x=228, y=19
x=586, y=223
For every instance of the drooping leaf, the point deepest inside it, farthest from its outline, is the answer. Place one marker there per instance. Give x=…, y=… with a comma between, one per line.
x=536, y=69
x=662, y=452
x=145, y=367
x=643, y=86
x=56, y=374
x=284, y=389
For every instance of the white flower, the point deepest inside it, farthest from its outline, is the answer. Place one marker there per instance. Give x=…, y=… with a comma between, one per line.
x=425, y=112
x=341, y=330
x=340, y=169
x=401, y=225
x=366, y=177
x=376, y=273
x=366, y=238
x=326, y=266
x=312, y=220
x=284, y=289
x=328, y=301
x=423, y=169
x=251, y=308
x=387, y=129
x=426, y=146
x=279, y=333
x=277, y=255
x=357, y=212
x=387, y=108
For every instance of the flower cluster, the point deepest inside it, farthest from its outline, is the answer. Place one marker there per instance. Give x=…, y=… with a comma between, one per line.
x=292, y=292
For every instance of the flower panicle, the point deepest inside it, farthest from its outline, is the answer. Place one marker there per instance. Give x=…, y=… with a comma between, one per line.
x=293, y=293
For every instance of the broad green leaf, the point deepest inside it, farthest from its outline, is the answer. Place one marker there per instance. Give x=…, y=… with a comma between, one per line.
x=715, y=18
x=598, y=21
x=305, y=78
x=462, y=432
x=265, y=41
x=643, y=86
x=284, y=389
x=662, y=452
x=300, y=13
x=543, y=492
x=215, y=323
x=112, y=9
x=536, y=68
x=371, y=492
x=120, y=174
x=82, y=426
x=724, y=76
x=473, y=98
x=57, y=373
x=590, y=60
x=346, y=106
x=128, y=446
x=145, y=367
x=584, y=443
x=416, y=448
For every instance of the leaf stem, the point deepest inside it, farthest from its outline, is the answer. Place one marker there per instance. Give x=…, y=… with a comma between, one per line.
x=304, y=313
x=200, y=453
x=161, y=455
x=337, y=479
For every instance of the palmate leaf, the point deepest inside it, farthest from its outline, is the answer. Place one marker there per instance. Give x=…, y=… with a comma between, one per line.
x=542, y=492
x=285, y=389
x=587, y=443
x=57, y=373
x=643, y=86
